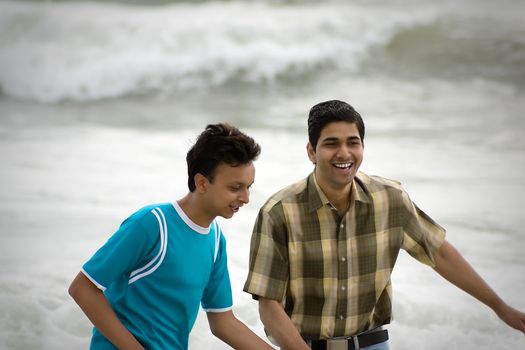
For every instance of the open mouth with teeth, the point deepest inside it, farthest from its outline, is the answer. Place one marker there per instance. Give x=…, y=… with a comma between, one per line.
x=343, y=166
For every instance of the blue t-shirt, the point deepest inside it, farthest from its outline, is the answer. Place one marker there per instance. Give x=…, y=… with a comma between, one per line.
x=156, y=270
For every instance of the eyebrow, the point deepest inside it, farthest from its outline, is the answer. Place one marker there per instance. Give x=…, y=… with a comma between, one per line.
x=239, y=183
x=336, y=139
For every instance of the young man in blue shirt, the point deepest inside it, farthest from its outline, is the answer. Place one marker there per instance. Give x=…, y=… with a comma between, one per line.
x=143, y=287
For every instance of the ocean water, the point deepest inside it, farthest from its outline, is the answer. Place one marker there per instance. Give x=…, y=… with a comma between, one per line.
x=100, y=101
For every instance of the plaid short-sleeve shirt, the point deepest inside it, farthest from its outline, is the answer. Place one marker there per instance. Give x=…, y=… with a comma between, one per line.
x=332, y=273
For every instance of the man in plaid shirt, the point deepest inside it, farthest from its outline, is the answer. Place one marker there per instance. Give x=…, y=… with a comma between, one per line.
x=323, y=249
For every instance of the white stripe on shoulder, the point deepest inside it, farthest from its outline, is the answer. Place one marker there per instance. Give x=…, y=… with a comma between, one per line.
x=162, y=243
x=163, y=228
x=99, y=286
x=217, y=240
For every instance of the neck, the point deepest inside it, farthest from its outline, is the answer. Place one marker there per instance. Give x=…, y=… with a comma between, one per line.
x=339, y=196
x=339, y=202
x=195, y=210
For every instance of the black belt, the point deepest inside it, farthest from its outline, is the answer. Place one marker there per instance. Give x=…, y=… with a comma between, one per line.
x=354, y=342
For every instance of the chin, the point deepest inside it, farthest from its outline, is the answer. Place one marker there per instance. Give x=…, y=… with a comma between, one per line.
x=227, y=216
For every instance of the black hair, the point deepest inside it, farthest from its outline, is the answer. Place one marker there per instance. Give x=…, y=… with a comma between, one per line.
x=332, y=111
x=219, y=143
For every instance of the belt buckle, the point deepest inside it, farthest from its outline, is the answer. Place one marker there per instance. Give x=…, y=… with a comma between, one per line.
x=337, y=344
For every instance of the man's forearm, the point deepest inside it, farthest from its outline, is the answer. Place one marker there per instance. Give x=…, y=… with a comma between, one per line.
x=97, y=308
x=454, y=268
x=279, y=325
x=225, y=326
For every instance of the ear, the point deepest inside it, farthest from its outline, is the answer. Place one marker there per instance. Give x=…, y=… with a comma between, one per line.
x=311, y=153
x=201, y=183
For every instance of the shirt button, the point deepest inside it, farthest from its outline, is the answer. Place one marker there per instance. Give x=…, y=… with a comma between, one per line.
x=341, y=317
x=342, y=226
x=343, y=259
x=343, y=288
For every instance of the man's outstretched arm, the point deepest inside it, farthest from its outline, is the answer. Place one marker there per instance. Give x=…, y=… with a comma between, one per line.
x=453, y=267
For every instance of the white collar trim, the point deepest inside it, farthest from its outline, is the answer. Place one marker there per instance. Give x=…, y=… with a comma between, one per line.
x=187, y=220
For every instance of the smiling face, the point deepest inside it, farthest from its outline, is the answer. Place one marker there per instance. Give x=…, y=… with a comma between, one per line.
x=338, y=155
x=229, y=190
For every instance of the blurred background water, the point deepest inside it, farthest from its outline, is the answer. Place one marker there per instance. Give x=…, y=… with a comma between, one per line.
x=100, y=101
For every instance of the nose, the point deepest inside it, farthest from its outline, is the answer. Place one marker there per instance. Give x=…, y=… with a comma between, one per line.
x=343, y=152
x=244, y=196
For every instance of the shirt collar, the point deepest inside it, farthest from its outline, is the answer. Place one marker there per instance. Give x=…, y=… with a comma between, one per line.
x=317, y=198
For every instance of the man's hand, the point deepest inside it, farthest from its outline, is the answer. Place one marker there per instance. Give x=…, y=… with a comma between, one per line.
x=511, y=316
